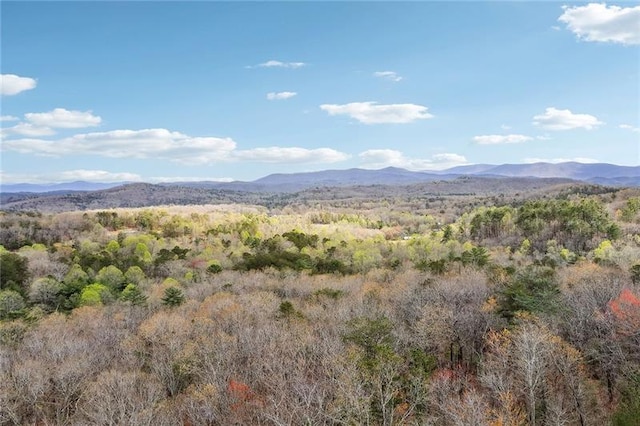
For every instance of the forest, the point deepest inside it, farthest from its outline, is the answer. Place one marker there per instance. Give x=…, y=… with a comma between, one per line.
x=463, y=310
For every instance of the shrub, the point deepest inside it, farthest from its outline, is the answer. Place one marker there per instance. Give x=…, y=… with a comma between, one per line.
x=288, y=311
x=331, y=293
x=214, y=268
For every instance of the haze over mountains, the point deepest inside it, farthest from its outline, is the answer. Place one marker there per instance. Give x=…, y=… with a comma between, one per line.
x=147, y=195
x=591, y=172
x=598, y=173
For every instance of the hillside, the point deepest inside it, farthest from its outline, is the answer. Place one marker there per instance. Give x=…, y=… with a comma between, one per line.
x=604, y=174
x=129, y=195
x=199, y=314
x=144, y=195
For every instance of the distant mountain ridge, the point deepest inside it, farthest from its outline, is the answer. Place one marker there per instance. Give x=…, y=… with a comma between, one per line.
x=145, y=195
x=599, y=173
x=571, y=170
x=57, y=187
x=352, y=176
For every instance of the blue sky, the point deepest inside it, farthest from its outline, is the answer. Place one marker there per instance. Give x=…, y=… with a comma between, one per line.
x=166, y=91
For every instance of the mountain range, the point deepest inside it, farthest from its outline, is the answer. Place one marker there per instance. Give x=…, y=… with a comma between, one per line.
x=146, y=195
x=598, y=173
x=571, y=170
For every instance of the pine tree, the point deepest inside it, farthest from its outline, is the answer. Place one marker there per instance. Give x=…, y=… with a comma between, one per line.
x=133, y=295
x=173, y=296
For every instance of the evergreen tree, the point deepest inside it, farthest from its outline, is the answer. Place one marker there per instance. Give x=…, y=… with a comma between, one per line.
x=133, y=295
x=173, y=296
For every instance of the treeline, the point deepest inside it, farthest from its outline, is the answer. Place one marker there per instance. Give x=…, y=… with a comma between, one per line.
x=506, y=315
x=575, y=225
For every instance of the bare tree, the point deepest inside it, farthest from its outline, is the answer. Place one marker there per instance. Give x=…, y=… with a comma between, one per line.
x=121, y=398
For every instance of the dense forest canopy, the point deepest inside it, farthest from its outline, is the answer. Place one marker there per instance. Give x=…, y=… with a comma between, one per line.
x=449, y=311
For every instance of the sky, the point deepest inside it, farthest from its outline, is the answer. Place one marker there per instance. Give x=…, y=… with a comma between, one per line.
x=183, y=91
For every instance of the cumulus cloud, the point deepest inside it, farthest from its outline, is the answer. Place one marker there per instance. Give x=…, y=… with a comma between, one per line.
x=602, y=23
x=11, y=84
x=449, y=160
x=167, y=145
x=71, y=176
x=147, y=143
x=63, y=119
x=380, y=158
x=97, y=176
x=276, y=154
x=39, y=124
x=277, y=96
x=630, y=127
x=8, y=118
x=373, y=113
x=278, y=64
x=388, y=75
x=27, y=129
x=500, y=139
x=564, y=119
x=100, y=176
x=531, y=160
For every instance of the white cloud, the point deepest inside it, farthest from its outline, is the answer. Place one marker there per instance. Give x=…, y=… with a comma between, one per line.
x=70, y=176
x=276, y=96
x=531, y=160
x=97, y=176
x=167, y=145
x=278, y=64
x=147, y=143
x=449, y=160
x=27, y=129
x=599, y=22
x=11, y=84
x=276, y=154
x=64, y=119
x=505, y=127
x=388, y=75
x=8, y=118
x=380, y=158
x=42, y=123
x=630, y=127
x=372, y=113
x=501, y=139
x=564, y=119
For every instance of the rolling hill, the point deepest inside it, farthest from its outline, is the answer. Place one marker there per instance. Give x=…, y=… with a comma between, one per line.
x=600, y=173
x=147, y=195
